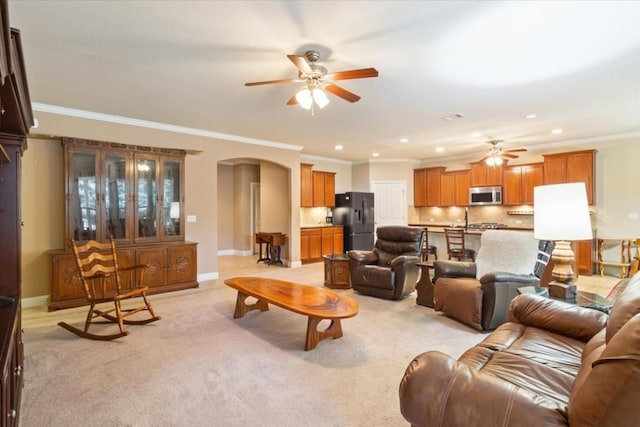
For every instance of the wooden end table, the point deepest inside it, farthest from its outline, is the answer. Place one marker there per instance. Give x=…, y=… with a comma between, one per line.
x=336, y=271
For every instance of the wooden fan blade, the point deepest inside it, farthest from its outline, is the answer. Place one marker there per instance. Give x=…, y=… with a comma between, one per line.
x=270, y=82
x=352, y=74
x=515, y=150
x=293, y=100
x=482, y=159
x=342, y=93
x=509, y=155
x=301, y=63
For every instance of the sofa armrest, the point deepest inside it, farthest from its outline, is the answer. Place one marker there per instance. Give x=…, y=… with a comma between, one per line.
x=454, y=269
x=499, y=276
x=401, y=259
x=435, y=391
x=557, y=316
x=364, y=257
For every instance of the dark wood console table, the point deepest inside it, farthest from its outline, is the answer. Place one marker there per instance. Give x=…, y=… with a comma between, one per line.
x=273, y=243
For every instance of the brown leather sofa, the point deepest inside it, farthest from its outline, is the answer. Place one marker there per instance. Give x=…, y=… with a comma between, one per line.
x=553, y=364
x=390, y=270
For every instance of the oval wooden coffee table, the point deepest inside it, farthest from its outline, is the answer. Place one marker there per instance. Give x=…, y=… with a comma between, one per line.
x=316, y=303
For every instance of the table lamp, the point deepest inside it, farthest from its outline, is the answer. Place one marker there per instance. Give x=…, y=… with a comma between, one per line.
x=561, y=214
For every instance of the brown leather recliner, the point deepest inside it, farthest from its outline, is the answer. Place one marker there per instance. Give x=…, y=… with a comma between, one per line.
x=390, y=270
x=478, y=293
x=553, y=364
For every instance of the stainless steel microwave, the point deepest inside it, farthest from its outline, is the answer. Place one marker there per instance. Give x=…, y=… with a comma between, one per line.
x=485, y=195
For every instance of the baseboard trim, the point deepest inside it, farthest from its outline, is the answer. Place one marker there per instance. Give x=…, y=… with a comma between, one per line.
x=234, y=252
x=41, y=301
x=208, y=276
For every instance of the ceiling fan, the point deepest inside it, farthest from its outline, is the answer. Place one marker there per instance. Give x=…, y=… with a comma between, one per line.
x=497, y=156
x=317, y=80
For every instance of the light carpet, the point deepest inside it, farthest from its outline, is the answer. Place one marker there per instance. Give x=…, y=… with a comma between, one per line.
x=200, y=367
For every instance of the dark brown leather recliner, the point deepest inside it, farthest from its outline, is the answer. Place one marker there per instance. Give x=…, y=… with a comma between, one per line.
x=389, y=270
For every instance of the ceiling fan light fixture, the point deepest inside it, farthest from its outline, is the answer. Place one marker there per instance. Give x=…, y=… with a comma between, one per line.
x=304, y=98
x=494, y=160
x=320, y=97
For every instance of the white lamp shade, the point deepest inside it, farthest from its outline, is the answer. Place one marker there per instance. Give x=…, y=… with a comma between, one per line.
x=174, y=210
x=320, y=97
x=304, y=98
x=561, y=212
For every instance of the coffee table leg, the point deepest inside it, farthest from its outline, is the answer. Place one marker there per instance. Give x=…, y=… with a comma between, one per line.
x=243, y=308
x=314, y=336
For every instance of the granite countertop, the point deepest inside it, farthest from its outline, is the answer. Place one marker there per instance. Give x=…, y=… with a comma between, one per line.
x=323, y=225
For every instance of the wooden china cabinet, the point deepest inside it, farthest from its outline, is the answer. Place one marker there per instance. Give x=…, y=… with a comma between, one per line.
x=16, y=119
x=136, y=195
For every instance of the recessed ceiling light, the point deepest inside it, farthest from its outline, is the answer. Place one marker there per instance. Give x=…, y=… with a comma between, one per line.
x=476, y=135
x=439, y=150
x=403, y=140
x=452, y=117
x=376, y=154
x=556, y=131
x=530, y=116
x=339, y=147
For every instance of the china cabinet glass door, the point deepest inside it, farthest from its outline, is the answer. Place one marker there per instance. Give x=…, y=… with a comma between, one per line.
x=172, y=199
x=116, y=196
x=82, y=196
x=146, y=199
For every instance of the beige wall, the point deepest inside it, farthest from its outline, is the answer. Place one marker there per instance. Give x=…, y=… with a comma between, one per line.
x=275, y=201
x=360, y=177
x=42, y=212
x=226, y=222
x=240, y=207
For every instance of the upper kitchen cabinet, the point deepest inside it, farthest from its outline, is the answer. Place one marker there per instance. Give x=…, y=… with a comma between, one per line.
x=134, y=194
x=576, y=166
x=485, y=175
x=519, y=182
x=324, y=189
x=426, y=186
x=454, y=188
x=306, y=185
x=317, y=188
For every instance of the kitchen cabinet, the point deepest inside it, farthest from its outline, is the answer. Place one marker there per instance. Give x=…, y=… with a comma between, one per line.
x=482, y=174
x=306, y=185
x=310, y=244
x=576, y=166
x=519, y=181
x=584, y=257
x=318, y=241
x=426, y=186
x=324, y=189
x=454, y=188
x=170, y=267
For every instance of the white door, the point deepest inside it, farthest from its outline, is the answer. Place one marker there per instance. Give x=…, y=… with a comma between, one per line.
x=390, y=202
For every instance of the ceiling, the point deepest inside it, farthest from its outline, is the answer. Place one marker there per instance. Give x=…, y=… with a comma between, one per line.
x=575, y=65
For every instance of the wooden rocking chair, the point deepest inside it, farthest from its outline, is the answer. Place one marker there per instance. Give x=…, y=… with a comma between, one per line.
x=102, y=279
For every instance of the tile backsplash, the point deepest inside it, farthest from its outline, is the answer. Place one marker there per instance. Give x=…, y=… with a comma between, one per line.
x=476, y=214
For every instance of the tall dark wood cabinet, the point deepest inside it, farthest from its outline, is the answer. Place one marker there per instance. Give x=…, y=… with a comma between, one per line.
x=16, y=119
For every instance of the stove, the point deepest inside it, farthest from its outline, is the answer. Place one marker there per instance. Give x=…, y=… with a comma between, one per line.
x=487, y=225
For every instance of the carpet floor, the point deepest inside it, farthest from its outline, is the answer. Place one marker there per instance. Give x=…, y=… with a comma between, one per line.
x=200, y=367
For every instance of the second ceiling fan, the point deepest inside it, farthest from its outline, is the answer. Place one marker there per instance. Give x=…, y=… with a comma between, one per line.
x=497, y=155
x=317, y=80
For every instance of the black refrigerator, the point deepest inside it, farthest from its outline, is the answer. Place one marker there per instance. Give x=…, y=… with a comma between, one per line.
x=354, y=211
